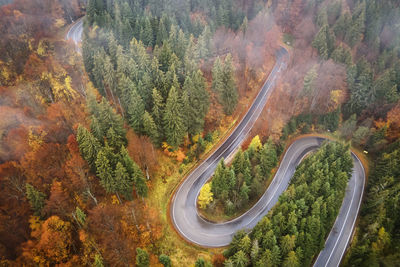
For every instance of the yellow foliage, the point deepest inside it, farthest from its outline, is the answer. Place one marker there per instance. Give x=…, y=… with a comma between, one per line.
x=61, y=90
x=196, y=138
x=42, y=48
x=336, y=97
x=255, y=143
x=114, y=200
x=5, y=73
x=35, y=140
x=59, y=23
x=34, y=223
x=205, y=196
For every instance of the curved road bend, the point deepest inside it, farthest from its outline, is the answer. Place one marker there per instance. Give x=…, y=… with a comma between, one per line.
x=75, y=32
x=342, y=230
x=183, y=206
x=193, y=228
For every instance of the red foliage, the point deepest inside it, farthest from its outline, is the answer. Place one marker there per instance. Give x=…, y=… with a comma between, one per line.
x=14, y=227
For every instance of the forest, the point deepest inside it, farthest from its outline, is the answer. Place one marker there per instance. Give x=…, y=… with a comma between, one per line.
x=294, y=231
x=236, y=186
x=95, y=141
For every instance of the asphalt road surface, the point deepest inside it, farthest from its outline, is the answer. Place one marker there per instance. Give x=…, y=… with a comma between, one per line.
x=75, y=33
x=342, y=230
x=195, y=229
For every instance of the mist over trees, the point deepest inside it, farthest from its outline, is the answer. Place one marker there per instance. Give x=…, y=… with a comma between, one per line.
x=137, y=53
x=76, y=166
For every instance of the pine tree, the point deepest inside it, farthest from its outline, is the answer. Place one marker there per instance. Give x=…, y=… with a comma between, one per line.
x=217, y=76
x=113, y=140
x=88, y=145
x=150, y=128
x=80, y=216
x=105, y=172
x=123, y=183
x=157, y=111
x=291, y=260
x=139, y=181
x=240, y=259
x=229, y=95
x=110, y=119
x=165, y=260
x=268, y=159
x=321, y=42
x=147, y=33
x=197, y=102
x=173, y=123
x=142, y=258
x=36, y=199
x=135, y=111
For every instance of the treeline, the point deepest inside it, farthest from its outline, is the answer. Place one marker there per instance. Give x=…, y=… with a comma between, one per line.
x=104, y=148
x=235, y=185
x=162, y=94
x=294, y=231
x=137, y=19
x=374, y=78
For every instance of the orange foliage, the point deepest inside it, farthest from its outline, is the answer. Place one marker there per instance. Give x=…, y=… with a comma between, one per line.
x=52, y=243
x=393, y=119
x=218, y=260
x=42, y=166
x=142, y=151
x=59, y=201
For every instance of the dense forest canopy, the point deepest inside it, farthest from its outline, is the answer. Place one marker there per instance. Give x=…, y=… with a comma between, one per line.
x=92, y=145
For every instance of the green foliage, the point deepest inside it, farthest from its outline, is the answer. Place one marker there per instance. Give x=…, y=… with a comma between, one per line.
x=242, y=181
x=197, y=102
x=294, y=231
x=36, y=199
x=165, y=260
x=80, y=216
x=150, y=128
x=228, y=94
x=324, y=42
x=88, y=145
x=135, y=111
x=98, y=261
x=142, y=258
x=172, y=118
x=378, y=236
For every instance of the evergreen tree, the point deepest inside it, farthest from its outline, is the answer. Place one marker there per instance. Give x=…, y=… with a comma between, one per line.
x=197, y=102
x=88, y=145
x=142, y=258
x=80, y=216
x=240, y=259
x=228, y=96
x=105, y=172
x=36, y=199
x=217, y=76
x=173, y=123
x=268, y=159
x=135, y=111
x=165, y=260
x=321, y=42
x=123, y=182
x=157, y=111
x=150, y=128
x=140, y=182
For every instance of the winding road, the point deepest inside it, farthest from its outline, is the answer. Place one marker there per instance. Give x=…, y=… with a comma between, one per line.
x=195, y=229
x=75, y=33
